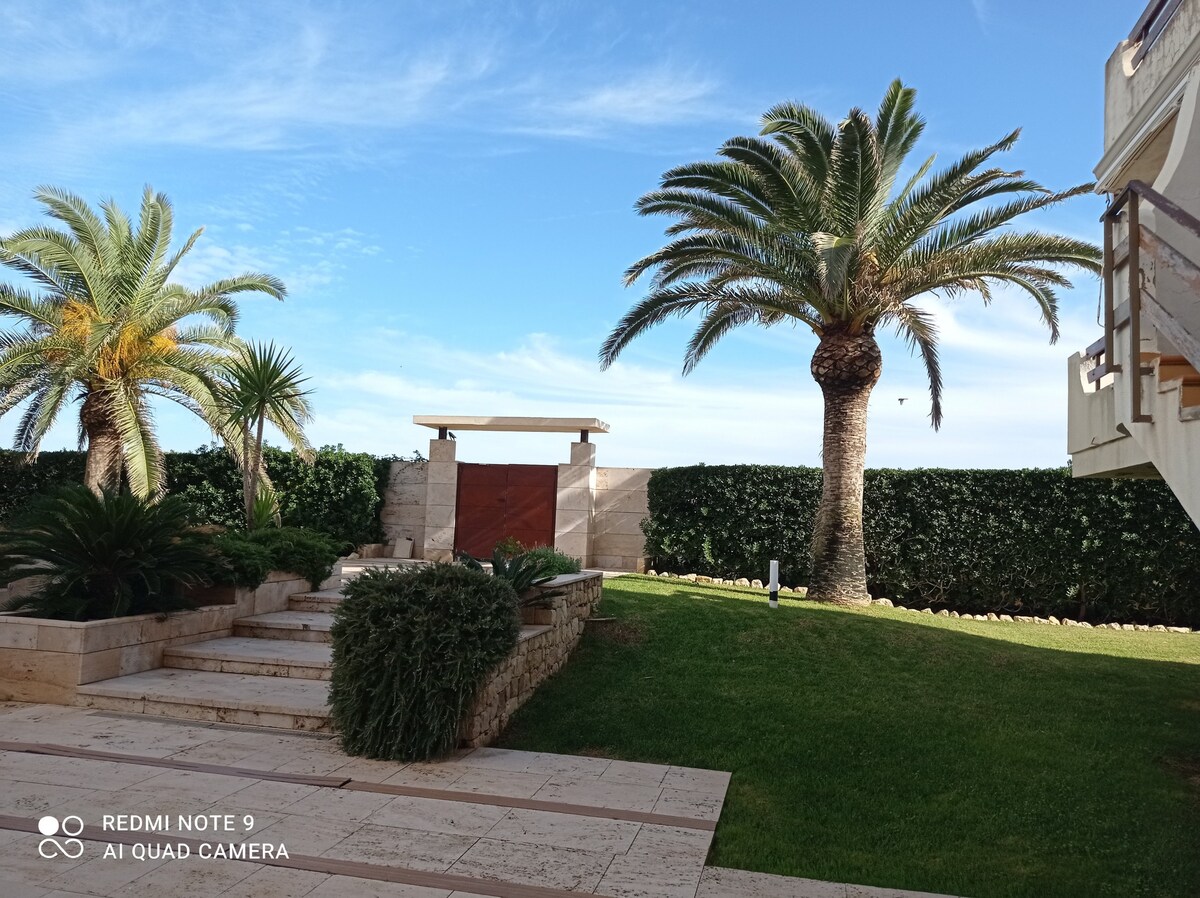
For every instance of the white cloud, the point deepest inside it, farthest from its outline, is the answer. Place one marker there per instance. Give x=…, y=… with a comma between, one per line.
x=1005, y=411
x=657, y=97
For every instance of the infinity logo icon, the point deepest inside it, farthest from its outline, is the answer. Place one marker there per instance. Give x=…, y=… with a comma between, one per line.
x=68, y=826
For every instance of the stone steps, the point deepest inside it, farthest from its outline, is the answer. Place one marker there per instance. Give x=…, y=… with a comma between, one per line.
x=261, y=657
x=302, y=626
x=320, y=600
x=281, y=702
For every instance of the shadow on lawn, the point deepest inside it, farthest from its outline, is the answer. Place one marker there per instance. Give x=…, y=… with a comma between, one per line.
x=878, y=746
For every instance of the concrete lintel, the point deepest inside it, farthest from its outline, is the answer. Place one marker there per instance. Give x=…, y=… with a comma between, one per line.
x=510, y=424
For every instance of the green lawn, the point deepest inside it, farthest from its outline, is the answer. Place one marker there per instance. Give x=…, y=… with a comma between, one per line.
x=882, y=747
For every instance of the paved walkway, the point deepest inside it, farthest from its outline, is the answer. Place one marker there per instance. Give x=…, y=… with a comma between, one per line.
x=229, y=802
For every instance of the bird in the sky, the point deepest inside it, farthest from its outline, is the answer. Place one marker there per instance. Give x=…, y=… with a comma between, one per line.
x=902, y=399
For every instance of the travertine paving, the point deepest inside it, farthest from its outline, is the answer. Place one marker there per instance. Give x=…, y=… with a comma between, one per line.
x=493, y=846
x=487, y=823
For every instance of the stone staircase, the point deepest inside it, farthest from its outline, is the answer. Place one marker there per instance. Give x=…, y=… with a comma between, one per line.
x=273, y=671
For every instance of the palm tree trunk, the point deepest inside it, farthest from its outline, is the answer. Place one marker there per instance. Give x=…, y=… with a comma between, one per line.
x=248, y=487
x=846, y=368
x=102, y=468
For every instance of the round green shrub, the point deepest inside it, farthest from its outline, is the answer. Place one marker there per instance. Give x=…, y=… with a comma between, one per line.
x=410, y=650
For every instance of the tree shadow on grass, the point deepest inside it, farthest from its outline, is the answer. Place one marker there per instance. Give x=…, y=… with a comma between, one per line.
x=875, y=746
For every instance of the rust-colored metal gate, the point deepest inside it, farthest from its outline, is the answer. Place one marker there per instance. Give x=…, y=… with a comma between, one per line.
x=498, y=501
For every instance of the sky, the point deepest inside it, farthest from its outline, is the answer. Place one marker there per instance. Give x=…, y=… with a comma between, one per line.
x=447, y=190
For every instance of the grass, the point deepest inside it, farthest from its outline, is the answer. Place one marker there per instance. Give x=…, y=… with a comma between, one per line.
x=881, y=747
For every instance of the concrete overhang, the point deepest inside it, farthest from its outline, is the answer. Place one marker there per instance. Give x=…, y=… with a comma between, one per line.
x=508, y=424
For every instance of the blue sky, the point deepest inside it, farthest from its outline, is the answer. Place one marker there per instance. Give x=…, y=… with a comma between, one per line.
x=447, y=190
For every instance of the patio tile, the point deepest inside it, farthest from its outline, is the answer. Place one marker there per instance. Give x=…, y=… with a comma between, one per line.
x=22, y=868
x=347, y=887
x=650, y=876
x=431, y=815
x=590, y=834
x=428, y=776
x=267, y=795
x=635, y=772
x=497, y=782
x=202, y=788
x=278, y=882
x=714, y=782
x=52, y=771
x=31, y=799
x=671, y=841
x=568, y=765
x=600, y=794
x=537, y=865
x=101, y=875
x=681, y=803
x=395, y=846
x=368, y=770
x=499, y=759
x=307, y=835
x=191, y=876
x=339, y=804
x=718, y=882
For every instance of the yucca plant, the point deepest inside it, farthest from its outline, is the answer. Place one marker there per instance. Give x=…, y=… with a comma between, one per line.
x=106, y=326
x=263, y=384
x=804, y=224
x=103, y=556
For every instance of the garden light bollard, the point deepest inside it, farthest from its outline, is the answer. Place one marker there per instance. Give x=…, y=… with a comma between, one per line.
x=773, y=601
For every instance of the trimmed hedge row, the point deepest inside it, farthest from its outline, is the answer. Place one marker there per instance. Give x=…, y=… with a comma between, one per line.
x=1031, y=541
x=338, y=495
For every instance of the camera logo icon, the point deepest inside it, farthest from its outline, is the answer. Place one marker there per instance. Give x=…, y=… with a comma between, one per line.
x=69, y=826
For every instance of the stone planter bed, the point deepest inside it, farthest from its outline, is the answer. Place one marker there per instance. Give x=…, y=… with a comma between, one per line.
x=47, y=660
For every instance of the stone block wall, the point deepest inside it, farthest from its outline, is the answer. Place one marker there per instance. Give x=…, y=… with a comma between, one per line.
x=46, y=660
x=403, y=510
x=547, y=641
x=620, y=506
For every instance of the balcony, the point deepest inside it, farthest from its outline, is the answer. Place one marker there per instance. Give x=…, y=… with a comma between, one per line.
x=1145, y=80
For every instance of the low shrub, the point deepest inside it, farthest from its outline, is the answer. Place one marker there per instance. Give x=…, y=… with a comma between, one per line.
x=410, y=650
x=245, y=557
x=552, y=562
x=103, y=556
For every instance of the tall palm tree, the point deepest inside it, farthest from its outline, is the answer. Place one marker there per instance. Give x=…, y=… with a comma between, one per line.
x=804, y=224
x=108, y=328
x=262, y=384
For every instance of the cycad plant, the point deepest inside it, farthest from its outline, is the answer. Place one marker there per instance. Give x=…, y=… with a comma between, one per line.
x=262, y=384
x=805, y=224
x=105, y=326
x=105, y=555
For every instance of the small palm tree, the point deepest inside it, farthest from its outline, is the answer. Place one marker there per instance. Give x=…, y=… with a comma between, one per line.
x=262, y=384
x=108, y=328
x=804, y=224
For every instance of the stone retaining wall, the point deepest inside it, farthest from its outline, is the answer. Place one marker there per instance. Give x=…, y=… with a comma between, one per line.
x=47, y=660
x=547, y=641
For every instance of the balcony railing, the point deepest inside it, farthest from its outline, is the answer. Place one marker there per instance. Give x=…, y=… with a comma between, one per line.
x=1125, y=206
x=1151, y=26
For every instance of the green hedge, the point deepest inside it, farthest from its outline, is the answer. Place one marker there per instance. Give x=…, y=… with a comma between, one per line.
x=1031, y=542
x=410, y=650
x=338, y=495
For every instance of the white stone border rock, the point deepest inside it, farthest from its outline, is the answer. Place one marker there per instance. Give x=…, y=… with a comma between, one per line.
x=802, y=591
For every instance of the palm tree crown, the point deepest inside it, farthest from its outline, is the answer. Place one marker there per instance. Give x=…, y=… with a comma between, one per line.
x=262, y=384
x=805, y=223
x=106, y=326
